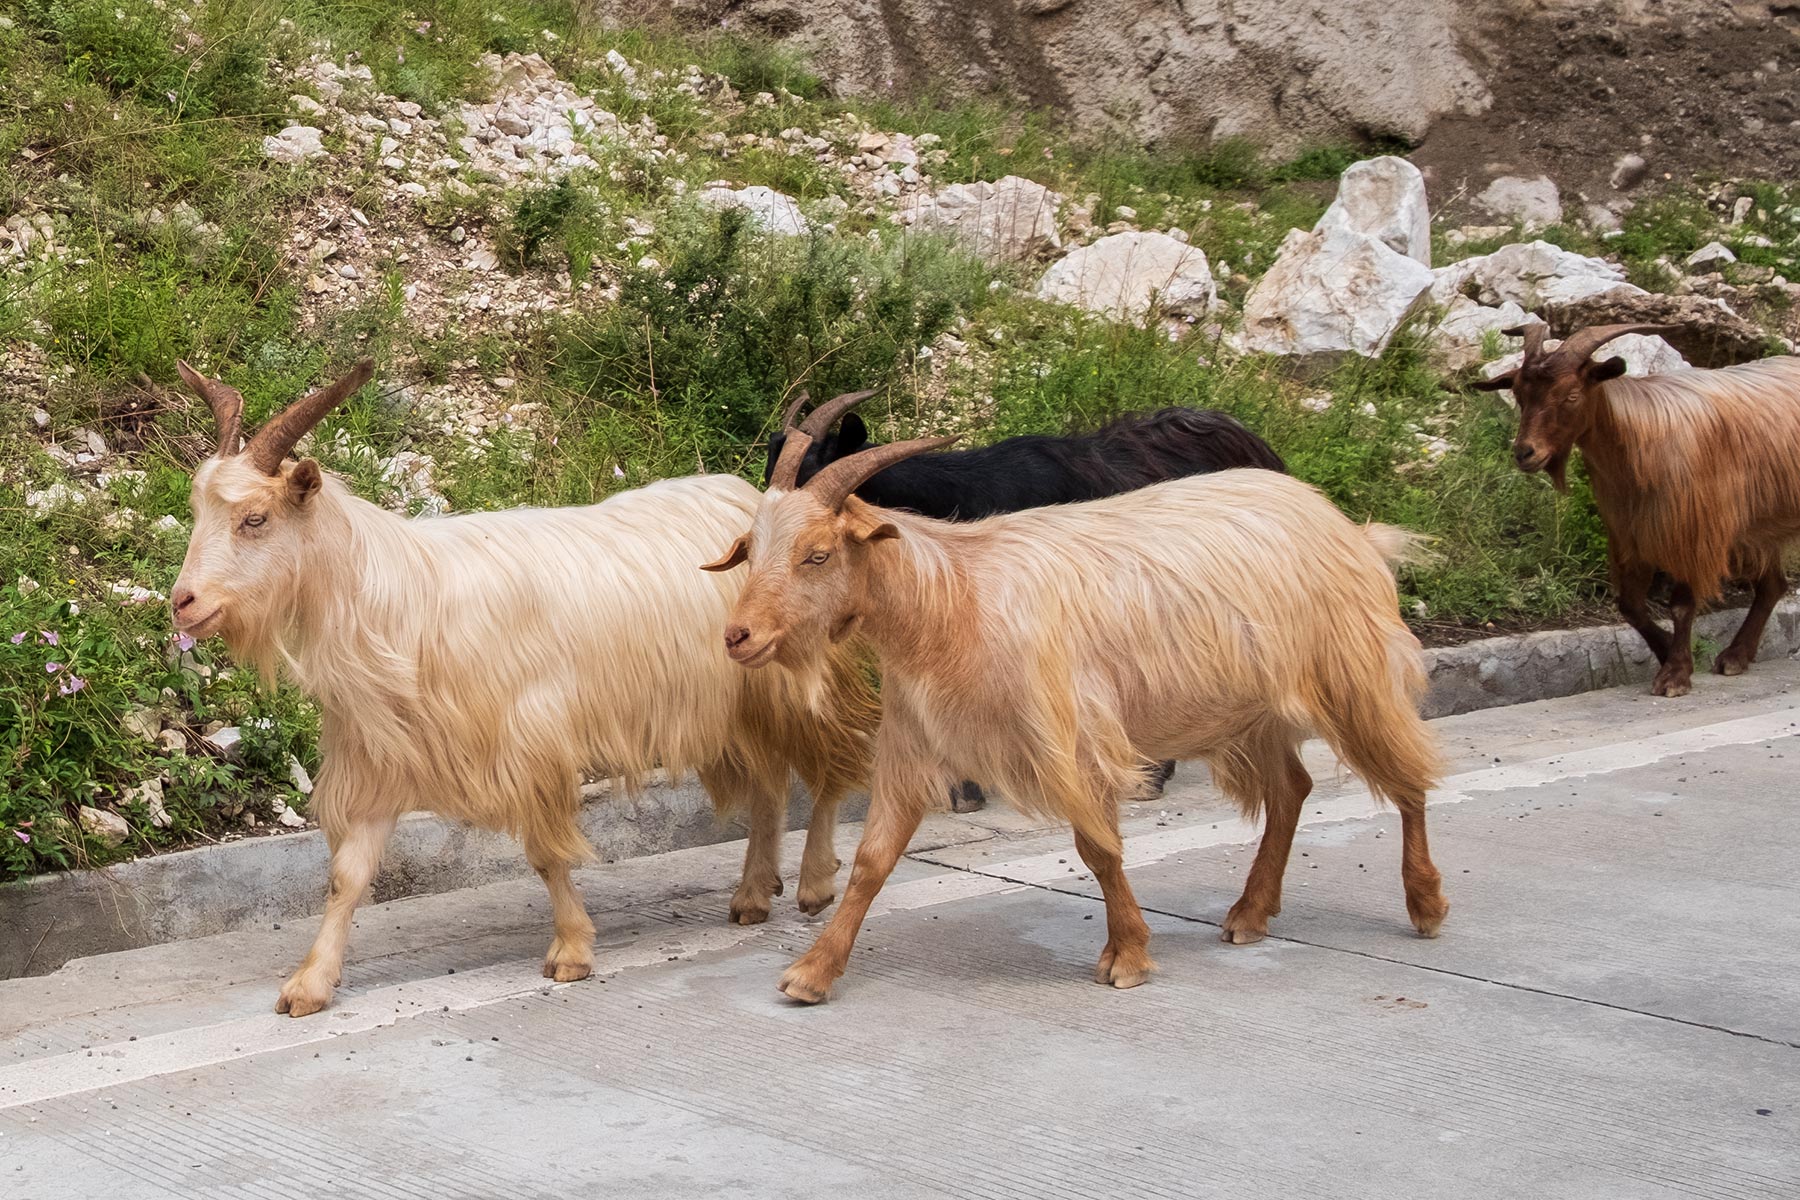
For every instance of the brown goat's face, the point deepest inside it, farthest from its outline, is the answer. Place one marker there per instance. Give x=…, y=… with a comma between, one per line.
x=1555, y=409
x=242, y=563
x=802, y=590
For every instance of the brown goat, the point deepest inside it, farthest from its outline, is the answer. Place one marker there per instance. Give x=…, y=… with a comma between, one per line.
x=1695, y=473
x=1056, y=651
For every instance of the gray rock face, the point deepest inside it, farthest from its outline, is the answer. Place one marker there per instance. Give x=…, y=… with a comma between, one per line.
x=1705, y=331
x=769, y=209
x=295, y=144
x=1332, y=292
x=1285, y=75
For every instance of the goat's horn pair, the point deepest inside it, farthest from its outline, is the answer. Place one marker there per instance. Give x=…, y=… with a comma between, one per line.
x=800, y=437
x=282, y=432
x=1583, y=342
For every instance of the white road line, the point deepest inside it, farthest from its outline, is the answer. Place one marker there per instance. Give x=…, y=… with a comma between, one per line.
x=188, y=1049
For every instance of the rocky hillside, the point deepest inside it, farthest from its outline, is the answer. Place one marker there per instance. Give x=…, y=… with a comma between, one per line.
x=585, y=256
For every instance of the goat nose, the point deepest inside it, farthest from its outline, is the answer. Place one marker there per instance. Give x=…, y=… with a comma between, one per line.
x=1521, y=453
x=181, y=597
x=736, y=635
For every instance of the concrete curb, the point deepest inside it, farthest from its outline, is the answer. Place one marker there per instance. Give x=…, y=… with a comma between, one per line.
x=51, y=919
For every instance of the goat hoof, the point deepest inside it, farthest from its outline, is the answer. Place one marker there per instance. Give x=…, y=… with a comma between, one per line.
x=1122, y=969
x=1671, y=687
x=746, y=913
x=303, y=997
x=1243, y=937
x=814, y=902
x=567, y=972
x=807, y=982
x=1428, y=914
x=1730, y=664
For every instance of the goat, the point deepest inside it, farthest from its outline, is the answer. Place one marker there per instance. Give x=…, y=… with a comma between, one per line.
x=1017, y=473
x=1220, y=616
x=476, y=666
x=1030, y=471
x=1695, y=473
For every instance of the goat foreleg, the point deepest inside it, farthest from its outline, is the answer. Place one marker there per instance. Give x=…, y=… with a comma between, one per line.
x=1631, y=587
x=897, y=803
x=1677, y=674
x=356, y=846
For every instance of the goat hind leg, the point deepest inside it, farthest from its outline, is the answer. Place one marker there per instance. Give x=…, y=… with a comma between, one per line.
x=356, y=848
x=1771, y=582
x=767, y=801
x=1425, y=902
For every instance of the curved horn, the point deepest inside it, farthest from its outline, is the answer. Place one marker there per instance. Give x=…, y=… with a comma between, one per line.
x=278, y=436
x=226, y=402
x=1583, y=342
x=800, y=402
x=834, y=483
x=799, y=438
x=1533, y=332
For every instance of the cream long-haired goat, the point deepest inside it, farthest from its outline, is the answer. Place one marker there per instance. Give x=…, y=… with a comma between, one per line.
x=1695, y=473
x=475, y=666
x=1055, y=651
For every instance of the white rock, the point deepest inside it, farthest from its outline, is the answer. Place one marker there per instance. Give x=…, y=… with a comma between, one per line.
x=55, y=498
x=1710, y=256
x=1127, y=275
x=306, y=106
x=482, y=258
x=1331, y=291
x=768, y=208
x=228, y=741
x=1628, y=171
x=1460, y=336
x=1010, y=220
x=1529, y=201
x=150, y=794
x=142, y=723
x=1529, y=274
x=40, y=418
x=1384, y=198
x=108, y=827
x=167, y=525
x=296, y=143
x=172, y=741
x=298, y=777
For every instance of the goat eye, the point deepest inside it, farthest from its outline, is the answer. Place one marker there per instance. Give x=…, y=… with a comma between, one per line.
x=817, y=557
x=254, y=519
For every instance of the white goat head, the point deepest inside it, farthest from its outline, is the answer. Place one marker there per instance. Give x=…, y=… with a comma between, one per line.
x=806, y=544
x=252, y=509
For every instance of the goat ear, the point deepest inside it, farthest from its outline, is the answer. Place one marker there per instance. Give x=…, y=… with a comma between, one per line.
x=1600, y=372
x=304, y=481
x=1496, y=384
x=739, y=552
x=853, y=435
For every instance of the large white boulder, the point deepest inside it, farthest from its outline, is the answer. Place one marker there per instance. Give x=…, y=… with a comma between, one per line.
x=1384, y=198
x=1644, y=354
x=1529, y=274
x=1332, y=291
x=1128, y=275
x=769, y=209
x=1009, y=220
x=1460, y=338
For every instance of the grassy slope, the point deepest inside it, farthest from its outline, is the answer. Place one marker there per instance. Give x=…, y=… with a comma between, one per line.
x=104, y=119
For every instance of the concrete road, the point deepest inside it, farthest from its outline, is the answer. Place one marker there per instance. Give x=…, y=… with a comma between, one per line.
x=1613, y=1010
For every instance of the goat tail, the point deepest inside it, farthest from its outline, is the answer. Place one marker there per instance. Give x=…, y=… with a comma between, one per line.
x=1399, y=547
x=1366, y=705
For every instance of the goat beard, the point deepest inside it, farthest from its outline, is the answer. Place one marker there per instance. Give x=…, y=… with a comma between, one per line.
x=1558, y=470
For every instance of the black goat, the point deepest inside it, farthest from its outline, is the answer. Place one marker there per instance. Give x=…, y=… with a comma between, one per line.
x=1131, y=452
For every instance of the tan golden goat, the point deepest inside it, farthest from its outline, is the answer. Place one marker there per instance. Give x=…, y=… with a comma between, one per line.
x=475, y=666
x=1056, y=651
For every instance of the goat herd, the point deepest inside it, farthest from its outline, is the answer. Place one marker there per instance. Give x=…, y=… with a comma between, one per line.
x=1050, y=617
